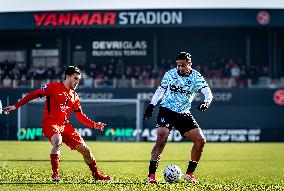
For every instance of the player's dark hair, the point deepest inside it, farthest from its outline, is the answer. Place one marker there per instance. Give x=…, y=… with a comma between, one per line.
x=70, y=70
x=184, y=56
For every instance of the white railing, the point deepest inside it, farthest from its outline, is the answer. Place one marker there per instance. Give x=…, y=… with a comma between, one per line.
x=261, y=82
x=85, y=83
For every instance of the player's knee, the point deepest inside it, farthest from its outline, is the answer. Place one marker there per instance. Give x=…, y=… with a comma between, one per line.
x=56, y=141
x=57, y=146
x=201, y=142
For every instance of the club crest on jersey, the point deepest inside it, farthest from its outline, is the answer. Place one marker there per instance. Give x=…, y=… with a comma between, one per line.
x=43, y=87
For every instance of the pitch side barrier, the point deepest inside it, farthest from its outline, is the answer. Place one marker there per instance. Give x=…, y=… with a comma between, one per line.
x=248, y=115
x=124, y=122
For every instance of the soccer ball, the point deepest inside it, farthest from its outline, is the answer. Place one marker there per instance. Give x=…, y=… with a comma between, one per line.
x=172, y=173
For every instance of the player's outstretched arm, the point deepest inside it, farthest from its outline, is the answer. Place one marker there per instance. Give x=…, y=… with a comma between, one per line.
x=43, y=91
x=84, y=119
x=88, y=122
x=30, y=96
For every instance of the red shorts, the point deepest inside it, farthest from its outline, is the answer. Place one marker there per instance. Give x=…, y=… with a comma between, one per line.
x=70, y=135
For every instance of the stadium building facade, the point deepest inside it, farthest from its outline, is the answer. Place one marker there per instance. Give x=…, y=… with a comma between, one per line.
x=255, y=37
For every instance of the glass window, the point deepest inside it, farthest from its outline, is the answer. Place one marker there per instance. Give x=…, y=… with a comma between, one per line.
x=16, y=56
x=45, y=58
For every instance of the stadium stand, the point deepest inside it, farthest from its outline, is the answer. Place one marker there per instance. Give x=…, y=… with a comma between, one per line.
x=228, y=74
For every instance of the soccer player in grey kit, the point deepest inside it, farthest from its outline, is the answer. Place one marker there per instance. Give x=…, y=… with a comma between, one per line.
x=177, y=90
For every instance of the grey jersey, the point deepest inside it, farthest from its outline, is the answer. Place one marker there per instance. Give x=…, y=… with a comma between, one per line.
x=180, y=91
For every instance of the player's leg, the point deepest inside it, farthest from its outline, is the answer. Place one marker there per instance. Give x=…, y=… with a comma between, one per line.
x=162, y=137
x=91, y=162
x=165, y=120
x=188, y=127
x=199, y=141
x=86, y=152
x=52, y=132
x=72, y=138
x=56, y=141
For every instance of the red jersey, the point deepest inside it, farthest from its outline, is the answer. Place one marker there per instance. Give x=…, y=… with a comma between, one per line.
x=59, y=103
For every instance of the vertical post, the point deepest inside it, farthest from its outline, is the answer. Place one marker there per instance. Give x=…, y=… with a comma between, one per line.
x=248, y=53
x=138, y=119
x=275, y=55
x=1, y=107
x=19, y=123
x=269, y=54
x=8, y=121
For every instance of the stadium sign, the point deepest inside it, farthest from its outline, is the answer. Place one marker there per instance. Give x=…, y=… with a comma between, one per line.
x=85, y=132
x=212, y=135
x=144, y=134
x=30, y=134
x=107, y=18
x=141, y=18
x=149, y=17
x=217, y=96
x=263, y=17
x=232, y=135
x=74, y=19
x=278, y=97
x=119, y=48
x=95, y=95
x=36, y=133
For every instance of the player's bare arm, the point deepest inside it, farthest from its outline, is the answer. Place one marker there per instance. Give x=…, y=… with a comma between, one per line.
x=8, y=109
x=99, y=125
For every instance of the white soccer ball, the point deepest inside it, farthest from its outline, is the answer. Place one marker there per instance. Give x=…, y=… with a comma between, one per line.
x=172, y=173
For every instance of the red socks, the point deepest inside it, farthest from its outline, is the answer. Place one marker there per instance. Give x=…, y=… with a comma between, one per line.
x=54, y=159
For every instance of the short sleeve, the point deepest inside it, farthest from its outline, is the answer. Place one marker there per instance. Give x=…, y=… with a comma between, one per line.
x=45, y=90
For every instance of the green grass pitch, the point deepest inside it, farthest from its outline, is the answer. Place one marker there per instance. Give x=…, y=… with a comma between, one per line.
x=224, y=166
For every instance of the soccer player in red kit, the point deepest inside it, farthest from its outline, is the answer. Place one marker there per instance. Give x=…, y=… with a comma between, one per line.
x=61, y=99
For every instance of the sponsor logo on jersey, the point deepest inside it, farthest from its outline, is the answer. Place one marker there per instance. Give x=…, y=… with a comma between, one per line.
x=179, y=89
x=63, y=108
